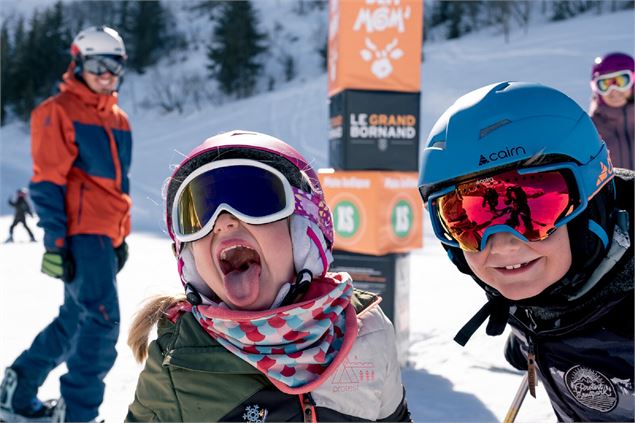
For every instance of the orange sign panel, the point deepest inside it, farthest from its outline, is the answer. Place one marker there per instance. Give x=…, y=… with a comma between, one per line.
x=374, y=212
x=375, y=45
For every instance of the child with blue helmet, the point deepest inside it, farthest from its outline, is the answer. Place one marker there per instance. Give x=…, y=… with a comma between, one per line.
x=523, y=196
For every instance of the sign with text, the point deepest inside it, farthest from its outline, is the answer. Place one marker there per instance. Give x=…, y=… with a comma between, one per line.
x=374, y=130
x=375, y=45
x=374, y=212
x=388, y=276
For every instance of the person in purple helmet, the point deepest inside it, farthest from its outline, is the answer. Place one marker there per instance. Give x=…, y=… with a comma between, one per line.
x=612, y=105
x=264, y=331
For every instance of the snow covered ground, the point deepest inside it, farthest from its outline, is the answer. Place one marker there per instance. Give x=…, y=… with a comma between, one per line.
x=445, y=382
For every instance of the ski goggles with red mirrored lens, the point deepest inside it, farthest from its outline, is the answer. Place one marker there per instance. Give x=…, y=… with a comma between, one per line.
x=252, y=191
x=621, y=81
x=100, y=64
x=530, y=203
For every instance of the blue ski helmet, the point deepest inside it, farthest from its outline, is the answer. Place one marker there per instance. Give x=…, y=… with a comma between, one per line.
x=520, y=124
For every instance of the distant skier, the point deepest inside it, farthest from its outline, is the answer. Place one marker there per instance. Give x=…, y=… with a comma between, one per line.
x=612, y=106
x=22, y=208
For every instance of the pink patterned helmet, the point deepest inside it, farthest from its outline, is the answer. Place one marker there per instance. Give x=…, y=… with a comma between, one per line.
x=311, y=224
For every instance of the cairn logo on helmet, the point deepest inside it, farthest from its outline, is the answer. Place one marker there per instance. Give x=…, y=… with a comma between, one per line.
x=502, y=154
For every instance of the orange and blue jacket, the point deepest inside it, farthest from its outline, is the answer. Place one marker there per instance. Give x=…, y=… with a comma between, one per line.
x=81, y=148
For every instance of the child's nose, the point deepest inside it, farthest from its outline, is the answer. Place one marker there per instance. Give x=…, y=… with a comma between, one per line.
x=225, y=222
x=503, y=242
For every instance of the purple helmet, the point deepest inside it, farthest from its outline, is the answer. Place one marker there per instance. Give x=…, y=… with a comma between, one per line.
x=612, y=62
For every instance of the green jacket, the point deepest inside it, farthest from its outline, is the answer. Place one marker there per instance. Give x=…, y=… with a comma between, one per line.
x=190, y=377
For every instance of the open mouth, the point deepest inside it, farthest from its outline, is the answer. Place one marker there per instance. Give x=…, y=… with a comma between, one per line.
x=238, y=258
x=241, y=268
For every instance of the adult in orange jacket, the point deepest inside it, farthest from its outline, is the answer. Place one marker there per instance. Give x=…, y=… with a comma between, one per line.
x=81, y=149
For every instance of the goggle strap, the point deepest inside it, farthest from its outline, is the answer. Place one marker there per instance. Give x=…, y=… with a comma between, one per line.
x=599, y=231
x=304, y=201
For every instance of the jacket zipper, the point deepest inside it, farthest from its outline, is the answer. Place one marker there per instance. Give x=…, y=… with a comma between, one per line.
x=308, y=408
x=531, y=357
x=81, y=202
x=628, y=136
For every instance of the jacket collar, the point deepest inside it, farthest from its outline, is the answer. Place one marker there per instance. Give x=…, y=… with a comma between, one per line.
x=71, y=84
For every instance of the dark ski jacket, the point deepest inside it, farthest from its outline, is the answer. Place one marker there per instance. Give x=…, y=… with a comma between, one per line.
x=584, y=353
x=21, y=207
x=190, y=377
x=616, y=127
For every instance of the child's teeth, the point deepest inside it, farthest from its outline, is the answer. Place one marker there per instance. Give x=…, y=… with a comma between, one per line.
x=223, y=254
x=513, y=266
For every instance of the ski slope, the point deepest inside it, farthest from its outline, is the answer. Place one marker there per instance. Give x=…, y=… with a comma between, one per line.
x=445, y=383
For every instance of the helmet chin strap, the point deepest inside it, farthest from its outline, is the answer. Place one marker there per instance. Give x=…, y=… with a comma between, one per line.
x=289, y=292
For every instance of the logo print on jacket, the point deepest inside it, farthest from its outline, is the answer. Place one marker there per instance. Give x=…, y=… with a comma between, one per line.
x=350, y=374
x=255, y=414
x=591, y=388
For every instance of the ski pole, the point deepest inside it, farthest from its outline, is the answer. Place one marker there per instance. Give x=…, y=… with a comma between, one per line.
x=518, y=401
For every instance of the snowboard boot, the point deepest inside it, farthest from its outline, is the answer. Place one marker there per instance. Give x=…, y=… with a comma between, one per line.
x=37, y=411
x=59, y=412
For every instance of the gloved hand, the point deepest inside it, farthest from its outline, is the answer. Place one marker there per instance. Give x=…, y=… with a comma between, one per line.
x=58, y=264
x=121, y=253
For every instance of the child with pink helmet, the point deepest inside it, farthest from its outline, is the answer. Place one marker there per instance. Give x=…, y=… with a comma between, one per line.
x=264, y=331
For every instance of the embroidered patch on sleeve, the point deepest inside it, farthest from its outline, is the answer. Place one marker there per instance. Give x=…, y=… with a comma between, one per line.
x=591, y=388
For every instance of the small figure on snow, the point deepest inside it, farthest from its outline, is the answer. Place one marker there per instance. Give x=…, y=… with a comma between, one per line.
x=22, y=209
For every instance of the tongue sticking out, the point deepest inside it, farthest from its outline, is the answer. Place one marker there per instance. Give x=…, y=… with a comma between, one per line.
x=241, y=274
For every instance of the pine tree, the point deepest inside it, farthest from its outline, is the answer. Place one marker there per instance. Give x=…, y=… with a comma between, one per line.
x=27, y=62
x=53, y=43
x=5, y=64
x=562, y=9
x=13, y=72
x=149, y=34
x=38, y=57
x=235, y=47
x=456, y=10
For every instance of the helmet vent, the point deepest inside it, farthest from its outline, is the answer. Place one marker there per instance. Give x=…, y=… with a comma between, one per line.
x=487, y=130
x=502, y=87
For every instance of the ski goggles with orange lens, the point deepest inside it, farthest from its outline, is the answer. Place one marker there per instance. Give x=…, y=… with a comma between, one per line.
x=621, y=81
x=530, y=203
x=252, y=191
x=100, y=64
